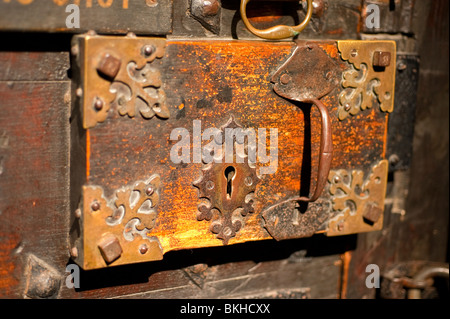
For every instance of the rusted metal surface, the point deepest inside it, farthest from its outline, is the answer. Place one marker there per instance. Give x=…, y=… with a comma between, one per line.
x=402, y=119
x=413, y=280
x=309, y=73
x=208, y=13
x=228, y=187
x=104, y=16
x=42, y=280
x=365, y=85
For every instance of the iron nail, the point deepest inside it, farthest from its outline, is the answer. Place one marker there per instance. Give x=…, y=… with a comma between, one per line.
x=74, y=252
x=149, y=190
x=95, y=206
x=147, y=49
x=143, y=249
x=98, y=104
x=285, y=78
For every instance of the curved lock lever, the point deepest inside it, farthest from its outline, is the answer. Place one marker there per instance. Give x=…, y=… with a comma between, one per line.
x=279, y=31
x=326, y=152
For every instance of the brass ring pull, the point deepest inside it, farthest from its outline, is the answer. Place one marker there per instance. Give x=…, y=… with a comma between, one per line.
x=326, y=152
x=279, y=31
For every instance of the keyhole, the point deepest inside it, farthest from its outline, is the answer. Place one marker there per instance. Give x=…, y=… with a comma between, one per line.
x=230, y=171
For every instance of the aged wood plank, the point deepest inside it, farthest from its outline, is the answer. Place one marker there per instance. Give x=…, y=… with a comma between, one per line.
x=34, y=66
x=34, y=183
x=119, y=16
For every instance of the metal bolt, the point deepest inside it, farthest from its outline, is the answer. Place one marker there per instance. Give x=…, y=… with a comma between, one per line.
x=210, y=185
x=75, y=50
x=109, y=66
x=347, y=107
x=147, y=50
x=210, y=7
x=95, y=206
x=151, y=3
x=74, y=252
x=401, y=65
x=285, y=79
x=98, y=104
x=381, y=59
x=149, y=190
x=110, y=248
x=143, y=249
x=394, y=159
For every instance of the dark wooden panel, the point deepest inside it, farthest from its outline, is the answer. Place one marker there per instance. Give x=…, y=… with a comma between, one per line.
x=105, y=16
x=34, y=170
x=420, y=231
x=34, y=66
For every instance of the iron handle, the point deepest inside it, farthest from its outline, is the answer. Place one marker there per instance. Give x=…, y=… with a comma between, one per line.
x=326, y=151
x=279, y=31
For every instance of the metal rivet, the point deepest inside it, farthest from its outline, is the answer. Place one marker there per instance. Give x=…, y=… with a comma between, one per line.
x=354, y=53
x=347, y=107
x=340, y=225
x=147, y=50
x=151, y=3
x=401, y=65
x=78, y=213
x=210, y=7
x=98, y=104
x=74, y=252
x=394, y=159
x=79, y=92
x=210, y=185
x=149, y=190
x=143, y=249
x=248, y=181
x=285, y=78
x=95, y=206
x=337, y=179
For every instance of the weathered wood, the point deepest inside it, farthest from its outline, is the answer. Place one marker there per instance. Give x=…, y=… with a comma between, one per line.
x=34, y=183
x=105, y=16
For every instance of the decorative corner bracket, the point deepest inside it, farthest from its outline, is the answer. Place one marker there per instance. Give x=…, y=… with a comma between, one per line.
x=119, y=73
x=371, y=79
x=117, y=231
x=357, y=203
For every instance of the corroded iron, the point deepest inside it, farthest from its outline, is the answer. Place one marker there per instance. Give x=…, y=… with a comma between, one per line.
x=228, y=189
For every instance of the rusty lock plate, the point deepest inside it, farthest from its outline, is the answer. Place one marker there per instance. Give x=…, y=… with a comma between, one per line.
x=134, y=205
